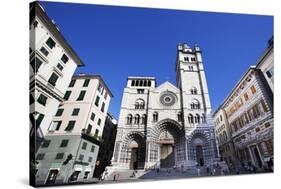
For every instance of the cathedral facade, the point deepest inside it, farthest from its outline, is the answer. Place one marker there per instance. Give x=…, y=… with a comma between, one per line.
x=167, y=126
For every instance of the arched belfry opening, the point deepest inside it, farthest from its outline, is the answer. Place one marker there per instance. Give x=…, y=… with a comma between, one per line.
x=133, y=150
x=167, y=144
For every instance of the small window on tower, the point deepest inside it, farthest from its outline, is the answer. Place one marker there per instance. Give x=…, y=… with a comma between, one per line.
x=190, y=68
x=186, y=59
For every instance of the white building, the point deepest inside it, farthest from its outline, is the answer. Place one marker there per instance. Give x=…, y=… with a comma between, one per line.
x=75, y=133
x=167, y=125
x=52, y=64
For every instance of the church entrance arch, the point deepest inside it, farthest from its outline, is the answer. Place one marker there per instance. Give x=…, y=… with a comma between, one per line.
x=198, y=145
x=135, y=143
x=169, y=136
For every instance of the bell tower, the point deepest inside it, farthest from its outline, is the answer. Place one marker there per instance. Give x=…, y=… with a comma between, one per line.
x=192, y=83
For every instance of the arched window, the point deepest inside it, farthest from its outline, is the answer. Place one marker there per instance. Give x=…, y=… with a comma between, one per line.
x=141, y=83
x=139, y=104
x=190, y=118
x=155, y=116
x=149, y=83
x=193, y=90
x=129, y=119
x=197, y=118
x=137, y=119
x=180, y=116
x=145, y=83
x=137, y=82
x=195, y=104
x=143, y=119
x=133, y=83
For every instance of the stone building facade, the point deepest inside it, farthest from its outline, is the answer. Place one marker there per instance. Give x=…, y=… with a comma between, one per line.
x=247, y=116
x=224, y=139
x=72, y=142
x=167, y=125
x=249, y=109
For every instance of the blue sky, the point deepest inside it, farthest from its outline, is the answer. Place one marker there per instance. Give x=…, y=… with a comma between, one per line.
x=117, y=42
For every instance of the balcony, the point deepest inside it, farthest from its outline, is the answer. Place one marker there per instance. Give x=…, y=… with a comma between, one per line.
x=92, y=138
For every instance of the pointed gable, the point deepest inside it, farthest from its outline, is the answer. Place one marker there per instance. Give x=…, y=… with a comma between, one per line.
x=167, y=86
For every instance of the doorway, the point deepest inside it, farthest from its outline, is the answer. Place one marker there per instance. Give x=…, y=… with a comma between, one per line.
x=257, y=157
x=199, y=155
x=51, y=179
x=134, y=158
x=167, y=156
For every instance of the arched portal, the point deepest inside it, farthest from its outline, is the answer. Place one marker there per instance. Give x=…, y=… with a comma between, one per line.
x=167, y=146
x=198, y=148
x=133, y=150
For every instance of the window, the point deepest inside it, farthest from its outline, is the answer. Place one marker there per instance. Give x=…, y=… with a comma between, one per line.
x=67, y=95
x=75, y=111
x=99, y=87
x=246, y=97
x=102, y=107
x=50, y=42
x=86, y=175
x=81, y=95
x=93, y=148
x=129, y=119
x=193, y=90
x=186, y=59
x=72, y=83
x=137, y=119
x=44, y=51
x=97, y=101
x=155, y=116
x=96, y=132
x=39, y=120
x=81, y=157
x=89, y=129
x=84, y=146
x=90, y=159
x=35, y=64
x=46, y=144
x=180, y=116
x=133, y=83
x=59, y=112
x=70, y=126
x=197, y=118
x=253, y=89
x=190, y=68
x=59, y=66
x=149, y=83
x=55, y=126
x=86, y=82
x=59, y=155
x=64, y=58
x=99, y=122
x=93, y=116
x=264, y=106
x=42, y=99
x=270, y=73
x=64, y=143
x=105, y=95
x=40, y=156
x=53, y=79
x=140, y=91
x=190, y=118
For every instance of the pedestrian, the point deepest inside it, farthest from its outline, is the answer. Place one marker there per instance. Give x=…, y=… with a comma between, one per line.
x=114, y=177
x=208, y=170
x=198, y=171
